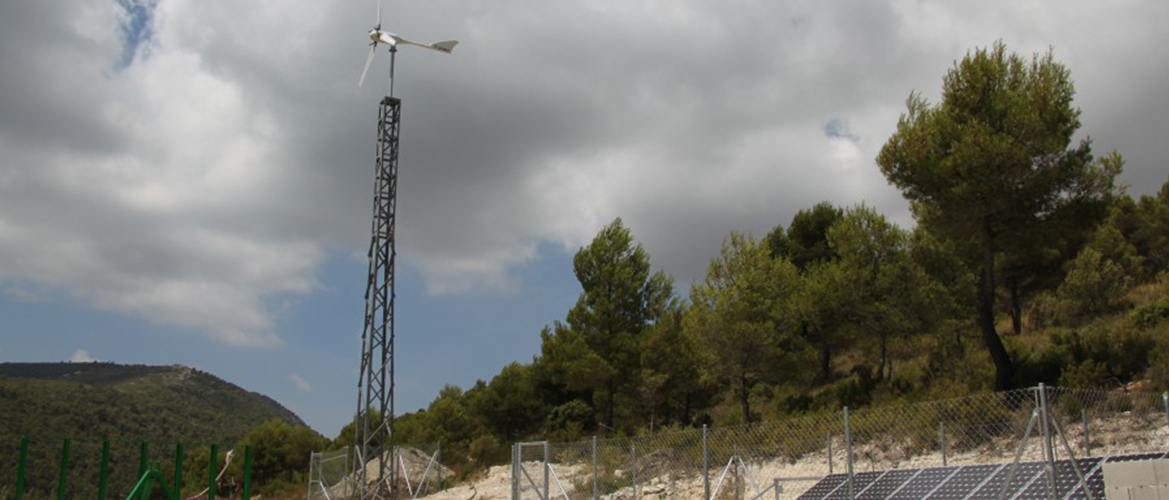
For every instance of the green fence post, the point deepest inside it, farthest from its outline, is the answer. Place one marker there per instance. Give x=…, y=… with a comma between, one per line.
x=144, y=452
x=63, y=479
x=103, y=480
x=178, y=479
x=20, y=467
x=211, y=472
x=247, y=471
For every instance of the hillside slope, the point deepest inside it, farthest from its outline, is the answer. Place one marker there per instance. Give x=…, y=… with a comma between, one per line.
x=107, y=400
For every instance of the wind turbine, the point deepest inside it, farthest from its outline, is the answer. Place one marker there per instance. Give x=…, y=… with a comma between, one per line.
x=377, y=36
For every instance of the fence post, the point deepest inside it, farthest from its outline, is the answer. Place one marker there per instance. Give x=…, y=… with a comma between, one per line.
x=848, y=453
x=211, y=471
x=547, y=466
x=515, y=495
x=178, y=486
x=1047, y=447
x=248, y=472
x=143, y=454
x=312, y=470
x=829, y=440
x=942, y=432
x=438, y=463
x=596, y=489
x=778, y=489
x=633, y=449
x=20, y=467
x=1087, y=437
x=705, y=466
x=1165, y=399
x=104, y=471
x=738, y=480
x=63, y=479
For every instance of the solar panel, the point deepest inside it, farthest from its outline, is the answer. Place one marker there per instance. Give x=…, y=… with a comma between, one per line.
x=1138, y=456
x=924, y=483
x=1066, y=479
x=860, y=482
x=862, y=491
x=972, y=482
x=1034, y=489
x=1025, y=472
x=824, y=487
x=887, y=484
x=1095, y=479
x=967, y=479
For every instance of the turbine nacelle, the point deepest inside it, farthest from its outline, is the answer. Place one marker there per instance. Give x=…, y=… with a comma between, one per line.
x=378, y=36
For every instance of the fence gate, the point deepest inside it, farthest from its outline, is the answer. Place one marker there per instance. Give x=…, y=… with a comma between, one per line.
x=327, y=475
x=529, y=471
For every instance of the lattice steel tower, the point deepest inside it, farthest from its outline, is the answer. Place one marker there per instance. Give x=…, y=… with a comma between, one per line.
x=375, y=386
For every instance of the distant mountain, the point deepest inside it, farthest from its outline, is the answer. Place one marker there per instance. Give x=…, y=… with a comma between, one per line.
x=128, y=402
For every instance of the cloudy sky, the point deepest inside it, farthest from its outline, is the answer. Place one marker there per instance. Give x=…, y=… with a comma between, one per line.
x=190, y=181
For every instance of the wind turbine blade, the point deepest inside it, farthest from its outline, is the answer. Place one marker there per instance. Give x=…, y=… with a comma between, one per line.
x=379, y=14
x=368, y=60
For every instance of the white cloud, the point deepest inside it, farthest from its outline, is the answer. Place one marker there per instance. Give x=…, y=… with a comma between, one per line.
x=207, y=180
x=302, y=385
x=81, y=356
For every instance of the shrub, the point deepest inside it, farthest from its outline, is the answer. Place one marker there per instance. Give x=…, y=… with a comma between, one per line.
x=486, y=450
x=1094, y=285
x=856, y=390
x=1037, y=360
x=1119, y=349
x=1157, y=370
x=1084, y=375
x=1149, y=315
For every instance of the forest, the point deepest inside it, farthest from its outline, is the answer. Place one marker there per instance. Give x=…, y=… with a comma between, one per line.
x=1028, y=262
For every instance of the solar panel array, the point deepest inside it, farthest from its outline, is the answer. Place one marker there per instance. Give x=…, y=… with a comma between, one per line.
x=973, y=482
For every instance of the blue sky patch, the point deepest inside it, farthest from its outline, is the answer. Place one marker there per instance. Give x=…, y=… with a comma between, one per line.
x=136, y=29
x=837, y=128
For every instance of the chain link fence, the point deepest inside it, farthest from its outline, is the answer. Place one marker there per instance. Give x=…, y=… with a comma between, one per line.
x=783, y=459
x=418, y=472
